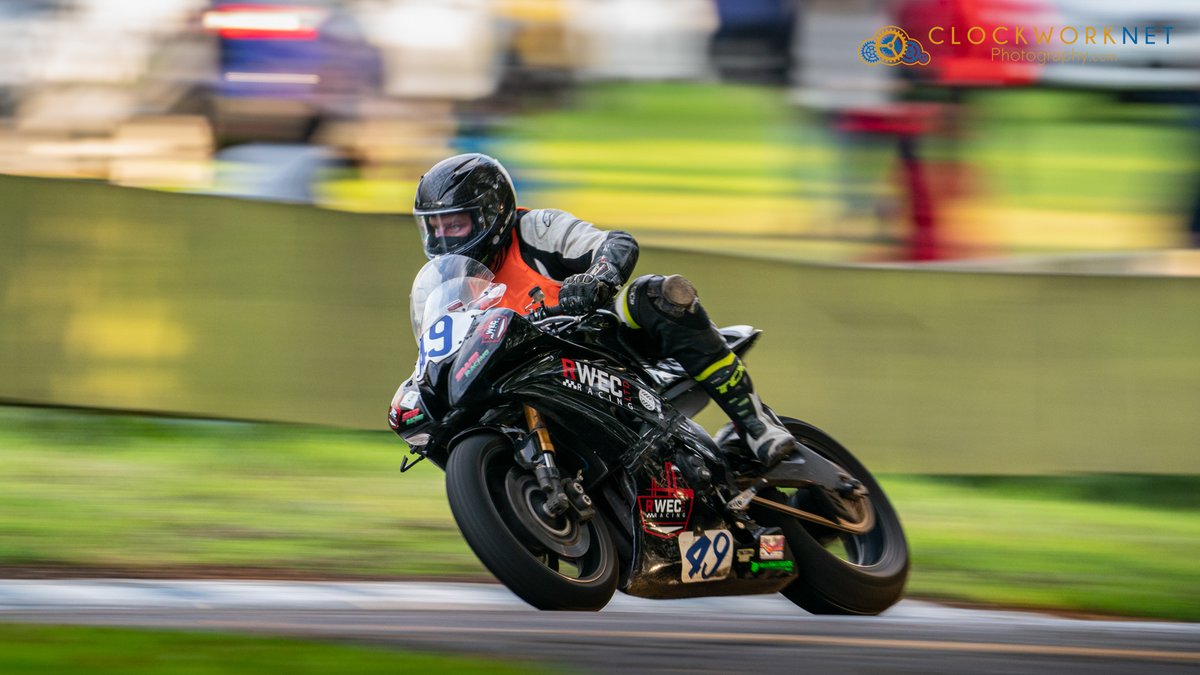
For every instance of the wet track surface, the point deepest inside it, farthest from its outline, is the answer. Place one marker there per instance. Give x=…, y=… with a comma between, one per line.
x=764, y=633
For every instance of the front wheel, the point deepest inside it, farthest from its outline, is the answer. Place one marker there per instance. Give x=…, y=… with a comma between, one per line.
x=551, y=563
x=840, y=573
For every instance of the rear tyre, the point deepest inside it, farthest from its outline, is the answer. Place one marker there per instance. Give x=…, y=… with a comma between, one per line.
x=553, y=564
x=841, y=573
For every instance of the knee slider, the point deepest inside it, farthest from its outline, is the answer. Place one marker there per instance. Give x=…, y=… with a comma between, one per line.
x=675, y=296
x=680, y=292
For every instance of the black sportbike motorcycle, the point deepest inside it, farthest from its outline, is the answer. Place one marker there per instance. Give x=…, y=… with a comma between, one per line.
x=573, y=467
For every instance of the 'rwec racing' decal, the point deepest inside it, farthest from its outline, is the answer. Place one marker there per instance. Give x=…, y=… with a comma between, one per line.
x=585, y=377
x=666, y=509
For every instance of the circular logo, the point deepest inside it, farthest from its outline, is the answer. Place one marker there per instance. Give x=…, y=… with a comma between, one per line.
x=890, y=44
x=868, y=52
x=647, y=399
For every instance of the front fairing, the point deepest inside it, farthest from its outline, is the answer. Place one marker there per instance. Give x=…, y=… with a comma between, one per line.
x=597, y=382
x=507, y=362
x=448, y=295
x=410, y=416
x=472, y=369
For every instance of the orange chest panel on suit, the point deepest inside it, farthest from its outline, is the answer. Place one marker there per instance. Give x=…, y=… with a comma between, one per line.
x=520, y=278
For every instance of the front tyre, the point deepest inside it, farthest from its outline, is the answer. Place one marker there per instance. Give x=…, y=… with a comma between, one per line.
x=553, y=564
x=841, y=573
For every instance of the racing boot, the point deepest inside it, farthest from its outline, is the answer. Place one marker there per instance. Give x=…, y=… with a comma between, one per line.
x=728, y=383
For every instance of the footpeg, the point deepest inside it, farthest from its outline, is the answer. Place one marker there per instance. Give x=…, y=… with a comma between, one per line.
x=742, y=501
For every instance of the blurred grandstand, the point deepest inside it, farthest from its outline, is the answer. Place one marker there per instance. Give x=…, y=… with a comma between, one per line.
x=342, y=103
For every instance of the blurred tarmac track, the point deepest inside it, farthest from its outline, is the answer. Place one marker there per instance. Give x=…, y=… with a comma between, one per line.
x=631, y=635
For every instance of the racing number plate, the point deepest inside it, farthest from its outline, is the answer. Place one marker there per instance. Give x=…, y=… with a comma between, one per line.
x=706, y=557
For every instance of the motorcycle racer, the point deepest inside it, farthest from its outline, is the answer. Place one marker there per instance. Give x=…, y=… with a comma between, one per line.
x=466, y=205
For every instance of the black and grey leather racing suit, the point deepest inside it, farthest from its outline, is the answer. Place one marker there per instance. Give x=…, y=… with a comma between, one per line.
x=557, y=244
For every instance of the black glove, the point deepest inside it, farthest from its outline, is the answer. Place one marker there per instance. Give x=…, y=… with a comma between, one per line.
x=581, y=293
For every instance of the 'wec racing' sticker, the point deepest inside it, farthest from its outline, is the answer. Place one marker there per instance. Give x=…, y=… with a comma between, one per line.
x=666, y=509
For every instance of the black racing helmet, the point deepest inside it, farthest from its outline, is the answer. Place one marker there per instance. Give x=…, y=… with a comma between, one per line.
x=466, y=204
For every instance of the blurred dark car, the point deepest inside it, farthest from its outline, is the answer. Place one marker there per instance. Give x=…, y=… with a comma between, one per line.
x=285, y=68
x=754, y=40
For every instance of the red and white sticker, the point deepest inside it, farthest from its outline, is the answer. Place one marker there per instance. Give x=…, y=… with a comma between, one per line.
x=495, y=329
x=770, y=547
x=666, y=508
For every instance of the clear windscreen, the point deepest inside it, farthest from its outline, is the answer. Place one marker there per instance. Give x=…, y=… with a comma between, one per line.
x=447, y=283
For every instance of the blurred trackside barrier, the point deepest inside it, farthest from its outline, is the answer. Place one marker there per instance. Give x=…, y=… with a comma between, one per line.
x=120, y=298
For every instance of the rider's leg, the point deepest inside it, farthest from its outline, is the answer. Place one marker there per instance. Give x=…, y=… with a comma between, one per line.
x=668, y=310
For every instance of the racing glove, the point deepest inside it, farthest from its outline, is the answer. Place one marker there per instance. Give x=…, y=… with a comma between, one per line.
x=582, y=293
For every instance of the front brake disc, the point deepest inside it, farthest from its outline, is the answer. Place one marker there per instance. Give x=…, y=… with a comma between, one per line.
x=560, y=535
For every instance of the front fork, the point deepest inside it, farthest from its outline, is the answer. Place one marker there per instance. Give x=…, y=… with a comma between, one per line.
x=538, y=451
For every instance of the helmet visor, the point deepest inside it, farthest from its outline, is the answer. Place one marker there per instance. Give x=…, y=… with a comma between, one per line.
x=451, y=231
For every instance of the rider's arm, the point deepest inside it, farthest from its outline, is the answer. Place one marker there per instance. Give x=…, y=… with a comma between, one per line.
x=559, y=245
x=620, y=250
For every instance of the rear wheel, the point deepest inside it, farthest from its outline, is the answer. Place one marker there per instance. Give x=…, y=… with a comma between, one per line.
x=551, y=563
x=840, y=573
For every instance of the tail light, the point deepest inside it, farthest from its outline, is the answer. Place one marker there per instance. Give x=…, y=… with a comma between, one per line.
x=264, y=22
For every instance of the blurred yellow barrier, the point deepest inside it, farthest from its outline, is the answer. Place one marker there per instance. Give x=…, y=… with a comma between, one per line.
x=120, y=298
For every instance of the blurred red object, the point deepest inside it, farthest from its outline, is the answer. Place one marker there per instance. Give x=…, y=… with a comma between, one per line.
x=965, y=64
x=907, y=122
x=899, y=119
x=264, y=22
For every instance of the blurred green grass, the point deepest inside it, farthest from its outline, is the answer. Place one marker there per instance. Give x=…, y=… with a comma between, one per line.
x=87, y=492
x=1107, y=544
x=118, y=492
x=46, y=650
